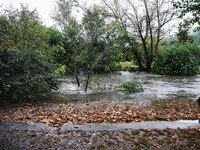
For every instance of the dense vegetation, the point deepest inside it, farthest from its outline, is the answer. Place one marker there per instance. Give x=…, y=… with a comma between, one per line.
x=32, y=55
x=178, y=59
x=26, y=62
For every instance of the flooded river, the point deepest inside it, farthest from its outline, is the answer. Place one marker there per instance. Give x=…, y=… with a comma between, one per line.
x=102, y=86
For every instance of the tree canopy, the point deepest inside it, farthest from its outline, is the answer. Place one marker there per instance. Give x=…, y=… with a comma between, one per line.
x=147, y=26
x=189, y=9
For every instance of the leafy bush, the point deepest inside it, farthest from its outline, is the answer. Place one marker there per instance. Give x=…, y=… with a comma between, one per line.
x=26, y=62
x=178, y=59
x=24, y=73
x=129, y=87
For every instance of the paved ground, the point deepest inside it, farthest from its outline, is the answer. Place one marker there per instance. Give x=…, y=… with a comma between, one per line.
x=148, y=125
x=143, y=135
x=19, y=126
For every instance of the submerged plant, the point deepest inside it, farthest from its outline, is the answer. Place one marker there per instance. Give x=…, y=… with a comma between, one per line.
x=129, y=87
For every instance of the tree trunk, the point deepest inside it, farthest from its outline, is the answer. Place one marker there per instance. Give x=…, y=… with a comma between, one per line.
x=148, y=63
x=87, y=82
x=139, y=61
x=148, y=67
x=77, y=80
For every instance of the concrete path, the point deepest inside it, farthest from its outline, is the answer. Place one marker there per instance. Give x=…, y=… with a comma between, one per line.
x=23, y=126
x=8, y=126
x=133, y=126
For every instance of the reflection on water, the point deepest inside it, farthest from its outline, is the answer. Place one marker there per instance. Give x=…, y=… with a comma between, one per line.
x=155, y=87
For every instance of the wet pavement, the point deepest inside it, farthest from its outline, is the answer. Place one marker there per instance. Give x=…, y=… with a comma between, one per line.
x=155, y=87
x=19, y=126
x=184, y=124
x=23, y=126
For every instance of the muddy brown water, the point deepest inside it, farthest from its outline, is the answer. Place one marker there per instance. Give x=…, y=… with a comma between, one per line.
x=101, y=88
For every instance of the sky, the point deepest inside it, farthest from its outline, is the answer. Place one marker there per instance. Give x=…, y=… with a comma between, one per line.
x=44, y=8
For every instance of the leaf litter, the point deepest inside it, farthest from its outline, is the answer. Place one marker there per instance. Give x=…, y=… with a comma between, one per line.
x=58, y=114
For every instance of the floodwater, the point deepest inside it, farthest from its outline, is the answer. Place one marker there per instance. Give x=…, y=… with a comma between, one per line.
x=155, y=87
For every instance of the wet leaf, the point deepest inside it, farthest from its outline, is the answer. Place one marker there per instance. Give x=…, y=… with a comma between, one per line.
x=58, y=114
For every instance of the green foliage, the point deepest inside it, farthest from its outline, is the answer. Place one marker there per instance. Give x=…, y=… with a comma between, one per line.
x=104, y=41
x=125, y=44
x=23, y=72
x=54, y=36
x=63, y=11
x=112, y=67
x=186, y=7
x=60, y=70
x=94, y=26
x=107, y=67
x=178, y=59
x=92, y=44
x=72, y=40
x=26, y=63
x=183, y=36
x=55, y=41
x=109, y=63
x=129, y=87
x=128, y=66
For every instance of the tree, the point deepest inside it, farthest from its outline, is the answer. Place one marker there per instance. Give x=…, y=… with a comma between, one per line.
x=63, y=12
x=25, y=60
x=55, y=40
x=183, y=35
x=189, y=9
x=95, y=34
x=72, y=35
x=74, y=43
x=85, y=42
x=145, y=20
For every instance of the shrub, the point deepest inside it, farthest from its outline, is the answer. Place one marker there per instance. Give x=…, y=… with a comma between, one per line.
x=178, y=59
x=111, y=67
x=26, y=61
x=24, y=73
x=129, y=87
